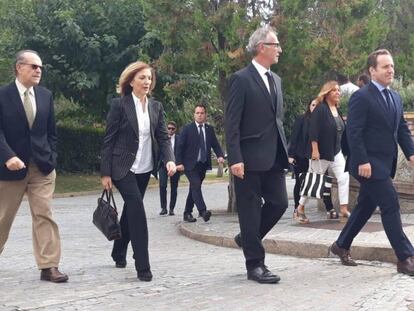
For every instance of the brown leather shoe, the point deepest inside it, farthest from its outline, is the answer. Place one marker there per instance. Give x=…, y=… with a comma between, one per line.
x=406, y=266
x=343, y=254
x=53, y=275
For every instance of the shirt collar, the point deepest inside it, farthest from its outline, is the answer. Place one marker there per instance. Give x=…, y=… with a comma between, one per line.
x=21, y=88
x=198, y=124
x=379, y=86
x=138, y=101
x=262, y=70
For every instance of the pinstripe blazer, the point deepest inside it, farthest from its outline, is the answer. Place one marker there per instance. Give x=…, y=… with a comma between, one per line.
x=121, y=140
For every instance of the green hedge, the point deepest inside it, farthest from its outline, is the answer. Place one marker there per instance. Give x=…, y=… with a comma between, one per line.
x=79, y=149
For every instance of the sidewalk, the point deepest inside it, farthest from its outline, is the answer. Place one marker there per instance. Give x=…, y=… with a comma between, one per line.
x=308, y=241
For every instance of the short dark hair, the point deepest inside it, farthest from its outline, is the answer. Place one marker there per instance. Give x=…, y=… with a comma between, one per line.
x=372, y=58
x=201, y=106
x=364, y=78
x=19, y=58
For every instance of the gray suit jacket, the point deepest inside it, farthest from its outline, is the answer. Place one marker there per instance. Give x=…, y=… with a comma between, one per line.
x=252, y=123
x=121, y=138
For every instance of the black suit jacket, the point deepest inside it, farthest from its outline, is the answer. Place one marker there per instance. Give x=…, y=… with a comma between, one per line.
x=17, y=139
x=161, y=156
x=373, y=132
x=188, y=146
x=121, y=139
x=252, y=124
x=299, y=146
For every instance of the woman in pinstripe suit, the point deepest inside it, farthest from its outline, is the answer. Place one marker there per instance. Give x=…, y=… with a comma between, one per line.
x=135, y=133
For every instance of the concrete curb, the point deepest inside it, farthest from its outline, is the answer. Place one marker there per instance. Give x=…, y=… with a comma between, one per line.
x=294, y=248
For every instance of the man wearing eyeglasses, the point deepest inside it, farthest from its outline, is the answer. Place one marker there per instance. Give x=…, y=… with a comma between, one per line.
x=256, y=149
x=28, y=161
x=163, y=176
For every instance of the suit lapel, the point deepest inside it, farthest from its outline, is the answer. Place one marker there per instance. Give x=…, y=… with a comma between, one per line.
x=382, y=105
x=39, y=107
x=396, y=108
x=258, y=79
x=17, y=102
x=153, y=112
x=129, y=107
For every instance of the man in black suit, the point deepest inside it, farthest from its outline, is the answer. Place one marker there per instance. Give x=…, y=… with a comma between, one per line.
x=163, y=174
x=194, y=157
x=375, y=126
x=28, y=161
x=257, y=152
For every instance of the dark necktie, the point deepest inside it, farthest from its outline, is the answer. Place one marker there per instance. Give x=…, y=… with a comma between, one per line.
x=272, y=87
x=387, y=99
x=203, y=153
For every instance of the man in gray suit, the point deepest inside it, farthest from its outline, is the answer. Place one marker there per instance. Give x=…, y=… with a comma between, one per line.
x=256, y=147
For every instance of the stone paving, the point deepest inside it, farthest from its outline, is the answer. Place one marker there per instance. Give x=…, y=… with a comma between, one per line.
x=188, y=274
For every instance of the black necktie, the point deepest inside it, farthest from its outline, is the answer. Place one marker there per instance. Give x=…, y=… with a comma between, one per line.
x=387, y=99
x=203, y=153
x=272, y=87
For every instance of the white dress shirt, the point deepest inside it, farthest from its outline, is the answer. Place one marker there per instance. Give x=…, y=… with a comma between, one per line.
x=21, y=88
x=262, y=72
x=143, y=161
x=172, y=139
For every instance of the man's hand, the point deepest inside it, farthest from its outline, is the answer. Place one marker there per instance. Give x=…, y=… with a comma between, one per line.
x=364, y=170
x=180, y=168
x=171, y=168
x=106, y=182
x=220, y=160
x=15, y=164
x=238, y=170
x=291, y=160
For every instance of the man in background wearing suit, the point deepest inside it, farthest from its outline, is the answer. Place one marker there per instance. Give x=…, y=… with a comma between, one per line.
x=163, y=176
x=257, y=152
x=28, y=161
x=375, y=126
x=194, y=157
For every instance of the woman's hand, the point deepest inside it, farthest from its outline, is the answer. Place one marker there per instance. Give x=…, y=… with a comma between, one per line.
x=171, y=168
x=106, y=182
x=315, y=155
x=291, y=160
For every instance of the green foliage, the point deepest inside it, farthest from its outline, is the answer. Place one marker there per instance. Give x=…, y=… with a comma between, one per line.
x=79, y=148
x=406, y=91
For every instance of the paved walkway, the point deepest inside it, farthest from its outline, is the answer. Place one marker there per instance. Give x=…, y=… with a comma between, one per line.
x=190, y=275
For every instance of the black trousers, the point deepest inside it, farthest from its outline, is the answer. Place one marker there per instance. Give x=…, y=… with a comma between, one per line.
x=301, y=166
x=380, y=193
x=133, y=220
x=163, y=180
x=261, y=201
x=195, y=196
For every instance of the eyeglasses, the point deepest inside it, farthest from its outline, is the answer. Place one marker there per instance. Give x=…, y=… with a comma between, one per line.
x=34, y=66
x=276, y=45
x=171, y=128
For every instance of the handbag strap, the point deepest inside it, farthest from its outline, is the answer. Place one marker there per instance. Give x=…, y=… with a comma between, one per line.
x=111, y=197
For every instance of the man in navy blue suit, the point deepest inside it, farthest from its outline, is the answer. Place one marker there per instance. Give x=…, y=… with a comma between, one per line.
x=194, y=157
x=163, y=174
x=375, y=126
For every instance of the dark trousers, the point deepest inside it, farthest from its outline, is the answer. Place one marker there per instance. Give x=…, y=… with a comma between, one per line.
x=300, y=167
x=195, y=196
x=163, y=179
x=261, y=201
x=133, y=220
x=380, y=193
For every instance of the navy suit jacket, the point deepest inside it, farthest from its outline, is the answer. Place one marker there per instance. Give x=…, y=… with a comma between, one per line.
x=188, y=146
x=17, y=139
x=373, y=132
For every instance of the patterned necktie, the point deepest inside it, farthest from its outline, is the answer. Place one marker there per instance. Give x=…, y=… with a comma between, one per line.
x=387, y=99
x=28, y=108
x=272, y=88
x=203, y=153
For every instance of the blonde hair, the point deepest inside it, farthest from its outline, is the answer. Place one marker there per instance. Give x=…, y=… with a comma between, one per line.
x=124, y=85
x=325, y=90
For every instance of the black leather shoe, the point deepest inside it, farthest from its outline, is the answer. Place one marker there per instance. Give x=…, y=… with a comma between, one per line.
x=189, y=218
x=206, y=215
x=53, y=275
x=262, y=275
x=343, y=254
x=238, y=240
x=171, y=212
x=120, y=263
x=406, y=266
x=145, y=275
x=163, y=211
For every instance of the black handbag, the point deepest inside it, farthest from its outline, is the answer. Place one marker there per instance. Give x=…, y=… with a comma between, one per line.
x=105, y=217
x=315, y=185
